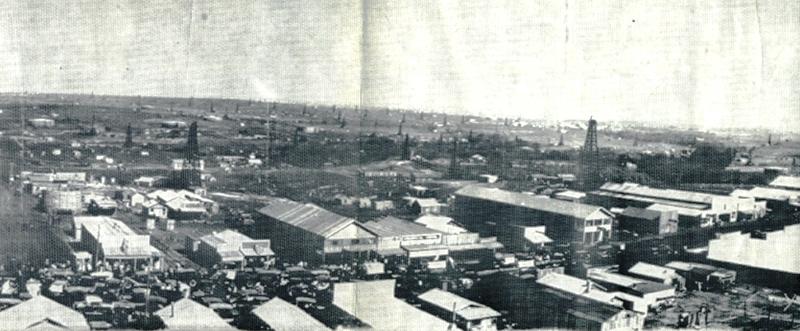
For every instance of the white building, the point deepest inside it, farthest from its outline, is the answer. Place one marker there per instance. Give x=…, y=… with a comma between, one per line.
x=110, y=240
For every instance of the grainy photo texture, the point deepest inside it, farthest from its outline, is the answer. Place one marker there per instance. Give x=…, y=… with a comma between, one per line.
x=399, y=165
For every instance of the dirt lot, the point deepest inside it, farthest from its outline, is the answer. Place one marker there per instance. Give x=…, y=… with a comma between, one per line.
x=24, y=236
x=743, y=307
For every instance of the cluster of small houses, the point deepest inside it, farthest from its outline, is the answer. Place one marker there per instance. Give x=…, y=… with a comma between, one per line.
x=484, y=223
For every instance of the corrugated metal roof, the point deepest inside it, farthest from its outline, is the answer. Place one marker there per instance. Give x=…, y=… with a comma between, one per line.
x=766, y=193
x=308, y=217
x=667, y=194
x=572, y=209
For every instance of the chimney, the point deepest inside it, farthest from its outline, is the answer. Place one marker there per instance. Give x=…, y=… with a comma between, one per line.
x=588, y=286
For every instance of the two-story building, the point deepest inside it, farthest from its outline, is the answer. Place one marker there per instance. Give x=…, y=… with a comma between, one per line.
x=307, y=232
x=232, y=249
x=488, y=210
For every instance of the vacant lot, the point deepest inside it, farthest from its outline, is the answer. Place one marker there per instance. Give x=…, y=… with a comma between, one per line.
x=24, y=235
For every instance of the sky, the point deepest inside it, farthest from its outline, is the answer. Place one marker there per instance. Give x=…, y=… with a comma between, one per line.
x=703, y=64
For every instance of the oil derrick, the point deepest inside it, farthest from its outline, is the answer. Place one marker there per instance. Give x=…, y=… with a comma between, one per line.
x=128, y=137
x=454, y=170
x=192, y=149
x=403, y=120
x=92, y=129
x=769, y=140
x=211, y=106
x=590, y=158
x=445, y=119
x=400, y=129
x=272, y=154
x=561, y=139
x=406, y=153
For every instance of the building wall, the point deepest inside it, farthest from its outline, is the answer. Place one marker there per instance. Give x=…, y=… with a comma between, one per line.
x=293, y=244
x=206, y=255
x=666, y=223
x=485, y=217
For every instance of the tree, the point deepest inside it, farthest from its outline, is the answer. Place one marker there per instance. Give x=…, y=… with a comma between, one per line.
x=129, y=136
x=192, y=149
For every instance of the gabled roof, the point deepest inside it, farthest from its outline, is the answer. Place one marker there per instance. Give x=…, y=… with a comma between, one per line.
x=427, y=202
x=283, y=316
x=41, y=312
x=466, y=309
x=374, y=303
x=308, y=217
x=186, y=314
x=554, y=206
x=394, y=227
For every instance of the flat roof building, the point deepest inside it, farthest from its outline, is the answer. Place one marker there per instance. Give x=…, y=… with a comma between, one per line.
x=749, y=254
x=111, y=240
x=487, y=210
x=776, y=199
x=749, y=249
x=652, y=294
